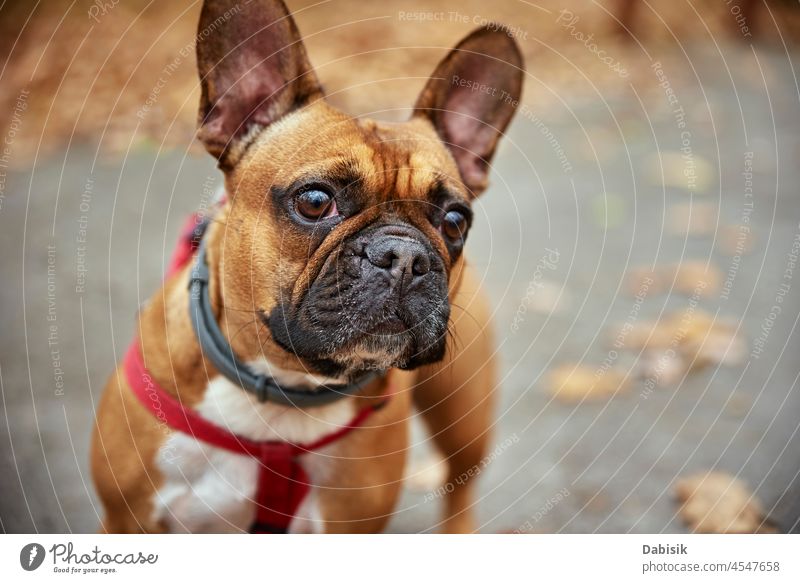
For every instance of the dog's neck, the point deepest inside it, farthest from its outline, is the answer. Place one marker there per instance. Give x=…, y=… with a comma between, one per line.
x=172, y=351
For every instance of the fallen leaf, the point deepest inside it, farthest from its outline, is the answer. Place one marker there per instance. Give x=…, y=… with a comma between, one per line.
x=716, y=502
x=571, y=384
x=719, y=344
x=644, y=280
x=691, y=278
x=663, y=368
x=680, y=342
x=696, y=278
x=645, y=334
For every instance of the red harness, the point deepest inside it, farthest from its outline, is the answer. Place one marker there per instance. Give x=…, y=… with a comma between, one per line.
x=282, y=483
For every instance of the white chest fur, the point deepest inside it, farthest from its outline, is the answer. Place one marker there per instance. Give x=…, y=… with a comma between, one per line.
x=208, y=489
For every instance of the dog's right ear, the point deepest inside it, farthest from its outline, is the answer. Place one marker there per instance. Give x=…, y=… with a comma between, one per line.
x=471, y=98
x=253, y=70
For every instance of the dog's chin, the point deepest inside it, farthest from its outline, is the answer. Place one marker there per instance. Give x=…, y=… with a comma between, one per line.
x=367, y=357
x=388, y=345
x=348, y=352
x=382, y=350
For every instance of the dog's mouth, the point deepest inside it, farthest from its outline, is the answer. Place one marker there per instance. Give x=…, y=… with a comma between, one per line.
x=380, y=302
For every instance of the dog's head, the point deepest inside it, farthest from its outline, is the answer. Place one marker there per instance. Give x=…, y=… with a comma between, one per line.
x=343, y=237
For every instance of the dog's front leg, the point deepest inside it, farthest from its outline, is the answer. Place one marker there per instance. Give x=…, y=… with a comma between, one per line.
x=357, y=481
x=455, y=398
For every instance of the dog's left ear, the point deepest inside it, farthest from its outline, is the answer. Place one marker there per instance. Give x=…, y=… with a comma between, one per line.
x=471, y=97
x=253, y=70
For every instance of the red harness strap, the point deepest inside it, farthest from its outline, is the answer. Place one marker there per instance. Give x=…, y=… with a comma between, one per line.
x=282, y=483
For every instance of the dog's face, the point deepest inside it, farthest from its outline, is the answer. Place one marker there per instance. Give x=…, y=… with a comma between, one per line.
x=343, y=237
x=364, y=223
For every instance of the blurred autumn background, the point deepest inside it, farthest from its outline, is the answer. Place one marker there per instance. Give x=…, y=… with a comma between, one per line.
x=639, y=244
x=90, y=66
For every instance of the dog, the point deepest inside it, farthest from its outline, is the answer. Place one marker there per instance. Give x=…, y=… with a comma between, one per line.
x=328, y=299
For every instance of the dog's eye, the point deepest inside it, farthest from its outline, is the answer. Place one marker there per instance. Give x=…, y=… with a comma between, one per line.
x=315, y=204
x=454, y=226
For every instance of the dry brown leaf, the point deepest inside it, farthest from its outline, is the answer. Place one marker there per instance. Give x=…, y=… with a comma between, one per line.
x=674, y=329
x=691, y=278
x=706, y=341
x=572, y=383
x=683, y=341
x=648, y=334
x=697, y=278
x=719, y=345
x=644, y=281
x=716, y=502
x=663, y=368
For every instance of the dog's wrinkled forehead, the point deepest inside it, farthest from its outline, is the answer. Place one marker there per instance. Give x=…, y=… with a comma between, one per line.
x=378, y=163
x=403, y=163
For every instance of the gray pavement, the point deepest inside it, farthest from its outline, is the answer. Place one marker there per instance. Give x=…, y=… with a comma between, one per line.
x=606, y=466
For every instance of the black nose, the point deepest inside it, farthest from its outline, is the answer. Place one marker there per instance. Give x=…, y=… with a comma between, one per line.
x=403, y=257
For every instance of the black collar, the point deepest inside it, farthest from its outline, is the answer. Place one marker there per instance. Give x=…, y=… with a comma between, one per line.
x=217, y=350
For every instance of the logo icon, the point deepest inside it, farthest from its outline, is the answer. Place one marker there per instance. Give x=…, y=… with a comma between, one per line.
x=31, y=556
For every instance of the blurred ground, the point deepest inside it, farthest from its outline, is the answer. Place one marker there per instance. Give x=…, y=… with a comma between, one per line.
x=123, y=73
x=592, y=170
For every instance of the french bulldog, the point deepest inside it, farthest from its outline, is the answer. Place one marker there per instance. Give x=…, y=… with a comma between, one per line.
x=336, y=257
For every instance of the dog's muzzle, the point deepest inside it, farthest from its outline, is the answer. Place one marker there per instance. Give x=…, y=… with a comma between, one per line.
x=379, y=301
